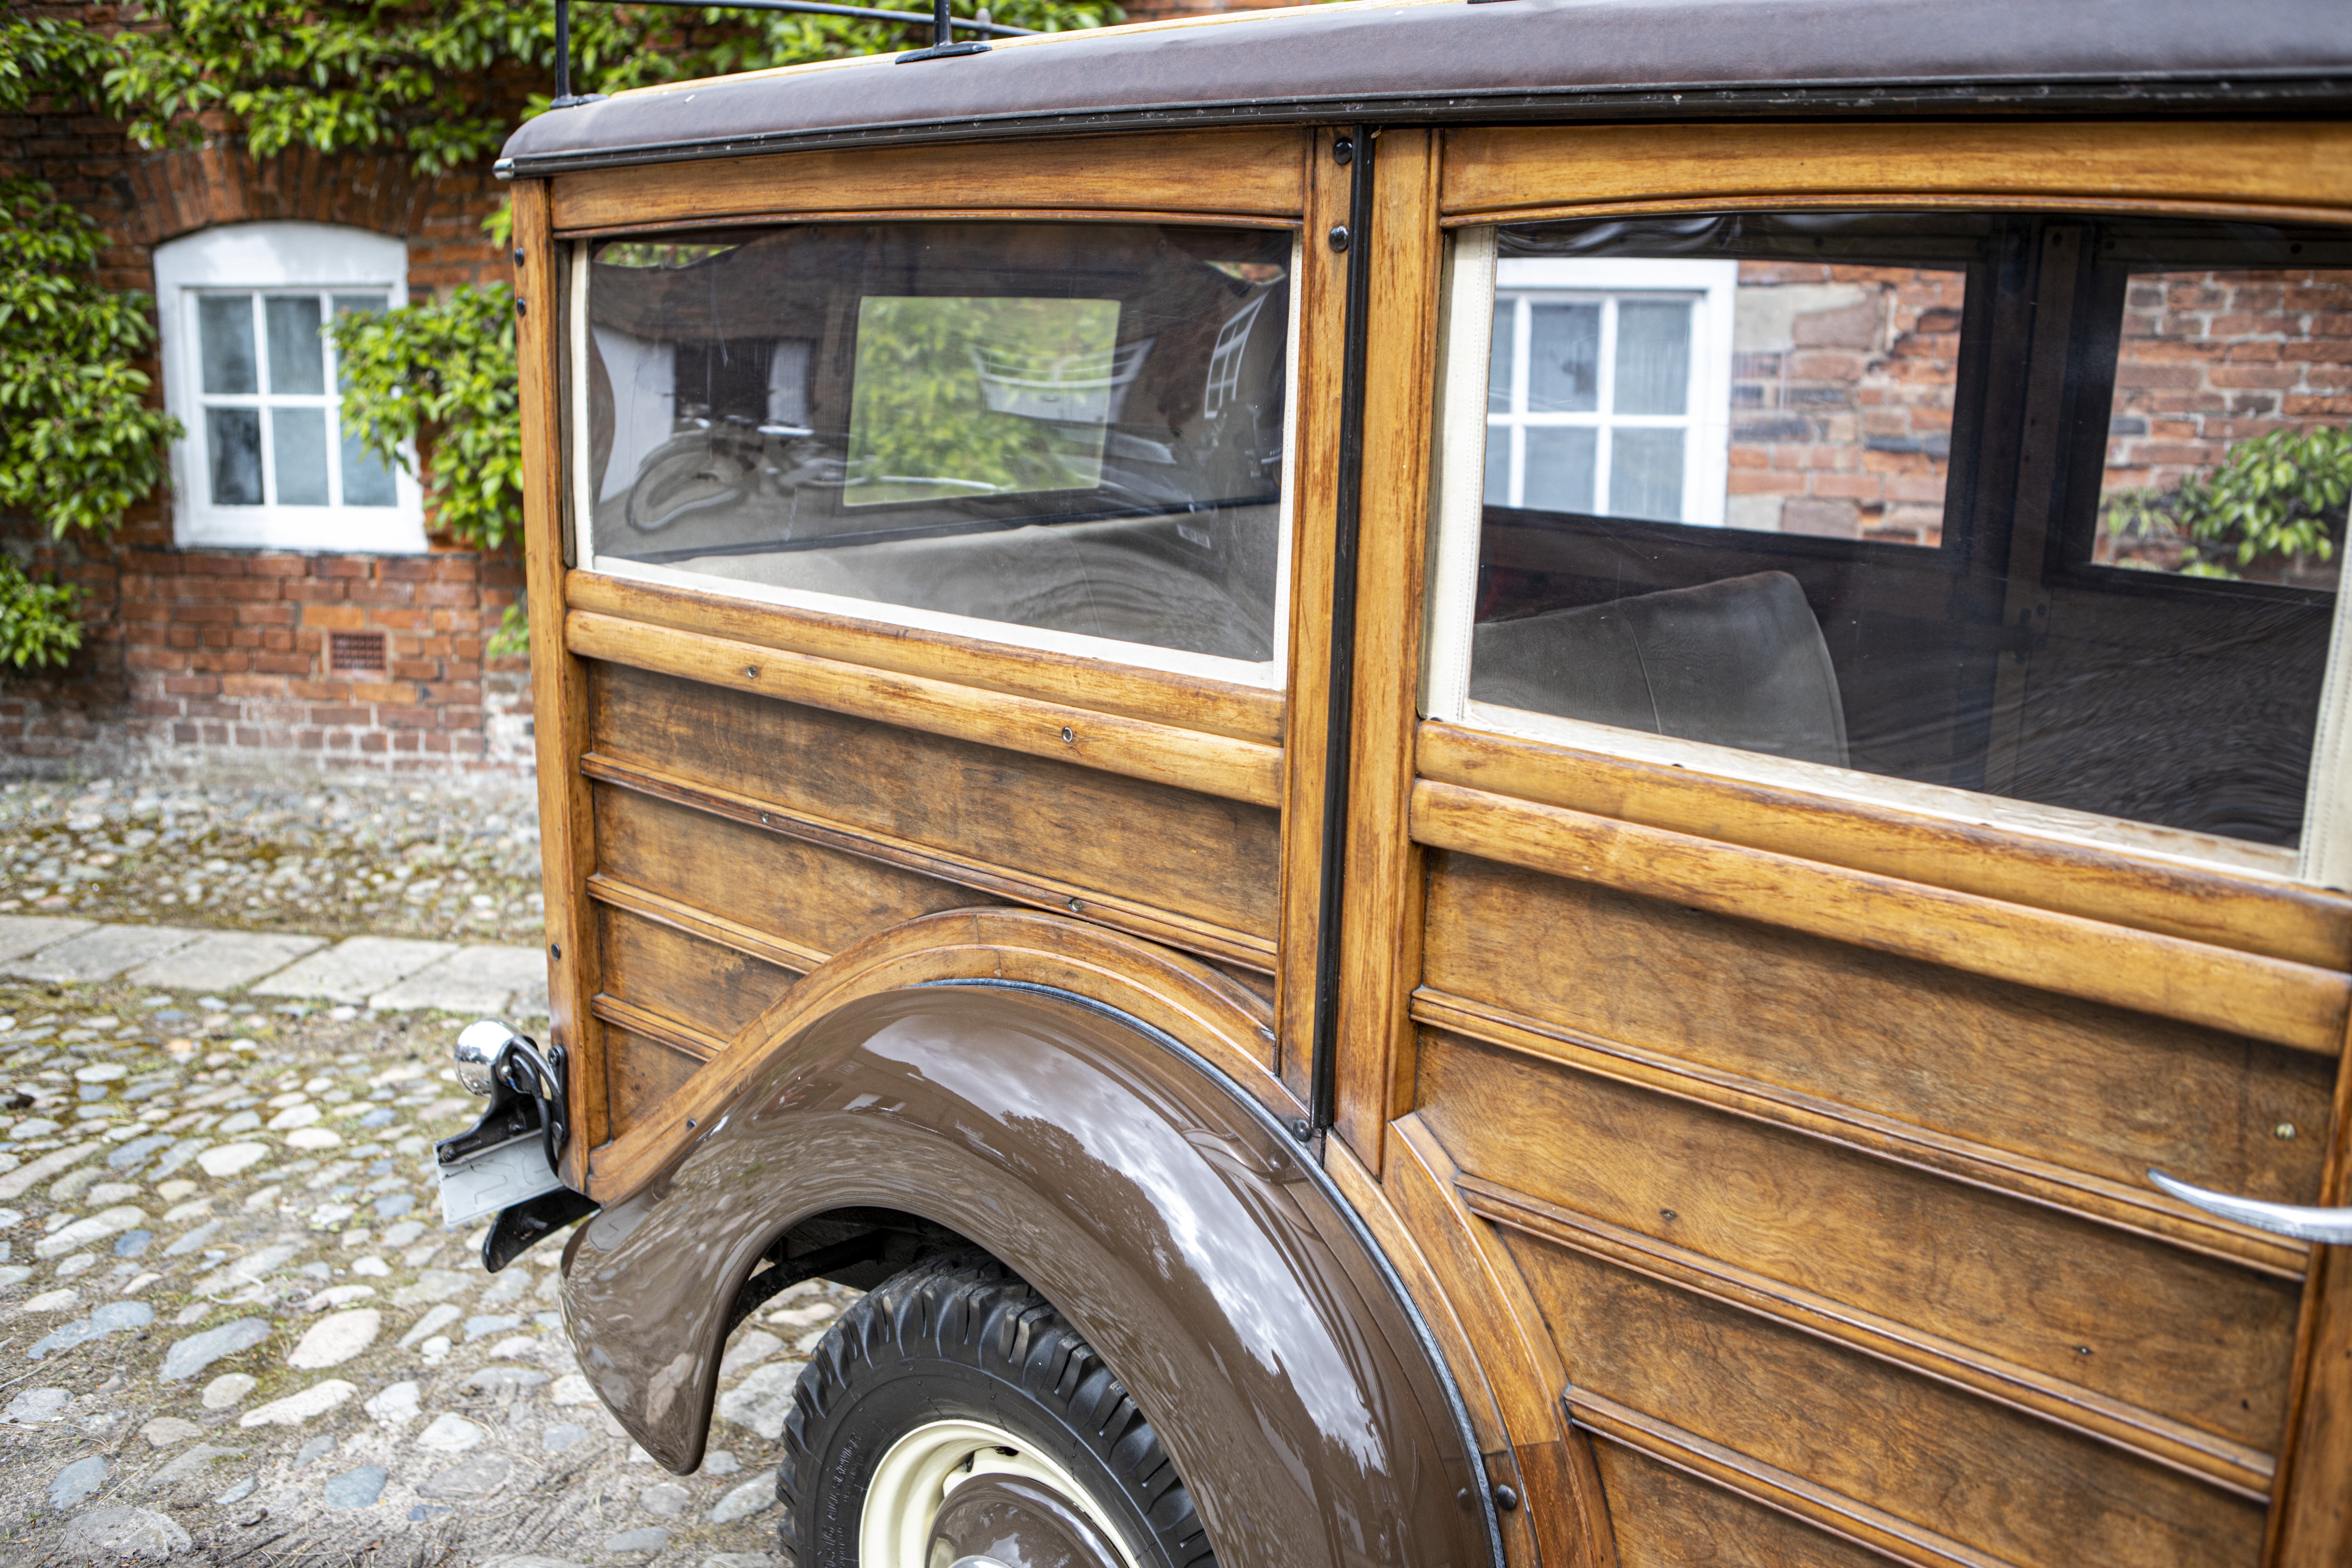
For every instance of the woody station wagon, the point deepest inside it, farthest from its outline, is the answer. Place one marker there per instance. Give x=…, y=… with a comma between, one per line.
x=1548, y=783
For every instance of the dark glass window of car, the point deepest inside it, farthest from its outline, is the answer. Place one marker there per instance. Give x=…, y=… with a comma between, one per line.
x=1074, y=426
x=2045, y=507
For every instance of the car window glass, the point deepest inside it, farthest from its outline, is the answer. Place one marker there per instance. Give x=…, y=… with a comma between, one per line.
x=2046, y=508
x=1076, y=429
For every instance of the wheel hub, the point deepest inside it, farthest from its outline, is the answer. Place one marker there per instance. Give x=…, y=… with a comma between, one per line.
x=970, y=1494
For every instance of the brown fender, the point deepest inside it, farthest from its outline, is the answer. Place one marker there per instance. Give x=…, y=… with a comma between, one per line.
x=1119, y=1168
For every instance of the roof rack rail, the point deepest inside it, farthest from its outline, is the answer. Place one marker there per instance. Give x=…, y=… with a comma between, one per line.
x=942, y=25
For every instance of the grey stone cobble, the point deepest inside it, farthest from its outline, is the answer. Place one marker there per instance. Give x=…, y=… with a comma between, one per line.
x=223, y=1275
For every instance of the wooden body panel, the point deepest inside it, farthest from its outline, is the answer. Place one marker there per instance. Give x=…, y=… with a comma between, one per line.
x=723, y=877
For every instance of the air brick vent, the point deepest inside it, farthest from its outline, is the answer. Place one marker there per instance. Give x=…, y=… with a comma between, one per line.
x=356, y=653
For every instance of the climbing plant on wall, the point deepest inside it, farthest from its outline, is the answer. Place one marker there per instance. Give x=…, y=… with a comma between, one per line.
x=440, y=85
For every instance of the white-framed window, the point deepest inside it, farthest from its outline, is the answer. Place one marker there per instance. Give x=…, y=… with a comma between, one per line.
x=1608, y=384
x=249, y=373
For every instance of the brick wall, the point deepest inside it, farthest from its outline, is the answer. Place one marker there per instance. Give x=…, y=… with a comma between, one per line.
x=1841, y=382
x=215, y=658
x=2211, y=359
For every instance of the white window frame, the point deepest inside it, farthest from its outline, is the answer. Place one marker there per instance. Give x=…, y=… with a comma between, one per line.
x=1269, y=674
x=1457, y=499
x=1608, y=281
x=274, y=258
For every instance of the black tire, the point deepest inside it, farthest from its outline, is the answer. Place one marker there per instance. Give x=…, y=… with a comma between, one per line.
x=962, y=1336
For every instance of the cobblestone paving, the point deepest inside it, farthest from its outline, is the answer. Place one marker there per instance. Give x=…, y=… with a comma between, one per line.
x=232, y=1328
x=456, y=864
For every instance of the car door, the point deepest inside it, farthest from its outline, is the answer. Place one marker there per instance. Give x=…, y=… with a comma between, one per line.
x=1875, y=806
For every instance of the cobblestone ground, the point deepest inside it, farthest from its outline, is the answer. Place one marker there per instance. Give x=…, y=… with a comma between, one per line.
x=233, y=1331
x=357, y=859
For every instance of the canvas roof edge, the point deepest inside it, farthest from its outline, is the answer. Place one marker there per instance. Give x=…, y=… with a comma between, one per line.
x=1436, y=61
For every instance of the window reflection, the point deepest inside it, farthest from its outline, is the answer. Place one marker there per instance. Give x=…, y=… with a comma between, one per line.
x=1816, y=486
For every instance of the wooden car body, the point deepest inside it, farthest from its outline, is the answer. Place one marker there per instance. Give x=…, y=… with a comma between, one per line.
x=1761, y=1144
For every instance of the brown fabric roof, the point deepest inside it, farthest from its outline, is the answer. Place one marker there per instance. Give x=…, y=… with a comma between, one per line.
x=1442, y=59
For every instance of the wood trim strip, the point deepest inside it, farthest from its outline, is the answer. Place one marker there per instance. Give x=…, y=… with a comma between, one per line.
x=1137, y=748
x=1512, y=169
x=2142, y=1212
x=1380, y=919
x=1314, y=535
x=558, y=683
x=2204, y=904
x=870, y=214
x=1833, y=1513
x=694, y=922
x=1184, y=701
x=1014, y=887
x=639, y=1019
x=1253, y=171
x=2269, y=999
x=1562, y=1491
x=2246, y=212
x=2145, y=1434
x=2311, y=1509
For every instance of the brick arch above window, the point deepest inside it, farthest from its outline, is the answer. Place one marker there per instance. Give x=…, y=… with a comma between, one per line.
x=183, y=191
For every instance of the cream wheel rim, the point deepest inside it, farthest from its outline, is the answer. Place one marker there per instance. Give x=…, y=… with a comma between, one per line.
x=915, y=1476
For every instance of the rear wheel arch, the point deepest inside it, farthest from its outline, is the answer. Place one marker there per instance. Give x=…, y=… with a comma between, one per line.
x=1134, y=1175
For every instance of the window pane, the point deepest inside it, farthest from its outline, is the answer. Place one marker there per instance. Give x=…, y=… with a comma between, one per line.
x=959, y=396
x=1499, y=361
x=367, y=479
x=359, y=305
x=298, y=439
x=1652, y=357
x=298, y=358
x=1855, y=607
x=2227, y=383
x=233, y=445
x=1070, y=427
x=1564, y=359
x=225, y=335
x=1645, y=473
x=1560, y=468
x=1499, y=465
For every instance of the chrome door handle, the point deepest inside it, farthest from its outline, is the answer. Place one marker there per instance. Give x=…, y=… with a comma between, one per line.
x=2333, y=1225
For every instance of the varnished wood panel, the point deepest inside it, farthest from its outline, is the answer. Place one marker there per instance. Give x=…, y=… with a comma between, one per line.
x=1248, y=172
x=1512, y=169
x=2192, y=1338
x=2019, y=1490
x=1166, y=991
x=640, y=1072
x=818, y=899
x=1194, y=855
x=1181, y=701
x=1216, y=764
x=2205, y=904
x=2270, y=999
x=1666, y=1517
x=2088, y=1086
x=558, y=683
x=658, y=967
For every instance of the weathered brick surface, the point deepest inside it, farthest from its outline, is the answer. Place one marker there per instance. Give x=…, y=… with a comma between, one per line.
x=205, y=658
x=1841, y=400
